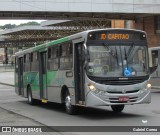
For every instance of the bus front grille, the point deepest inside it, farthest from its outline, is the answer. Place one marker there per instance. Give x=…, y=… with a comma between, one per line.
x=121, y=92
x=121, y=82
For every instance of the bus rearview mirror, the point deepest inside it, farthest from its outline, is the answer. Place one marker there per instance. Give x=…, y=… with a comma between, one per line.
x=153, y=69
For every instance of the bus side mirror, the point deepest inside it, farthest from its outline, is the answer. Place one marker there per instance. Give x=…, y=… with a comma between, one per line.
x=153, y=69
x=153, y=60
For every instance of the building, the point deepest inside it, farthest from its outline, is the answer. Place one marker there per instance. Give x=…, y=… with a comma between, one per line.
x=149, y=24
x=152, y=26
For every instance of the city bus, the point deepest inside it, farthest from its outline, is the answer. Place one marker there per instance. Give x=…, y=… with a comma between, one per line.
x=103, y=67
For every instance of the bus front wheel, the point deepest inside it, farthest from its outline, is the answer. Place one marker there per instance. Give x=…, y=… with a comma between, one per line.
x=117, y=108
x=70, y=109
x=31, y=101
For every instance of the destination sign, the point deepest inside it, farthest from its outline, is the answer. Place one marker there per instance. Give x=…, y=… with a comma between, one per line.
x=116, y=35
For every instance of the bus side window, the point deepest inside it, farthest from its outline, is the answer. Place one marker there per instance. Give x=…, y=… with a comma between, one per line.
x=34, y=62
x=31, y=57
x=53, y=58
x=60, y=50
x=37, y=56
x=16, y=64
x=27, y=62
x=49, y=53
x=24, y=58
x=66, y=61
x=70, y=49
x=24, y=67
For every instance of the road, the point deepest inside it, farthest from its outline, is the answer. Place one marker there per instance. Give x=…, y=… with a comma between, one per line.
x=54, y=114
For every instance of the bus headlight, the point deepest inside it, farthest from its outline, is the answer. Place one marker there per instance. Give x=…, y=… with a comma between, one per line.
x=91, y=87
x=148, y=86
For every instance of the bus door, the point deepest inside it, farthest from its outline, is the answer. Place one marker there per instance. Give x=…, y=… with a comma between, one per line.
x=43, y=75
x=20, y=76
x=79, y=74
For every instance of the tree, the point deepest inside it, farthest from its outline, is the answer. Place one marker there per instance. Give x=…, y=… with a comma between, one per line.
x=11, y=26
x=29, y=23
x=8, y=26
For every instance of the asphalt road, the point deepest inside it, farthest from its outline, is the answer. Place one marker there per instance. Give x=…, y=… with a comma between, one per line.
x=54, y=114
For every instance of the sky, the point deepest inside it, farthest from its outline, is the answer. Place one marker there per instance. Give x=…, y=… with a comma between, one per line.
x=17, y=22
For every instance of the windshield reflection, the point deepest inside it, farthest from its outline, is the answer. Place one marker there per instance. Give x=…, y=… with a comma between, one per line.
x=117, y=60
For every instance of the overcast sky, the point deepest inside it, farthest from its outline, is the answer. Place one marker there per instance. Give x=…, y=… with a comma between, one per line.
x=17, y=22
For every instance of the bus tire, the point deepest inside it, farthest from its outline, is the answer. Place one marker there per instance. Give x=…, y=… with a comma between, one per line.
x=31, y=101
x=117, y=108
x=70, y=109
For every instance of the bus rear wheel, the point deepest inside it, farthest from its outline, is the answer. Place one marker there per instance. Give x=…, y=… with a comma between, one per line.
x=70, y=109
x=117, y=108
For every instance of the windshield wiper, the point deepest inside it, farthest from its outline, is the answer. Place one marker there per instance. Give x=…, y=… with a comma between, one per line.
x=126, y=58
x=130, y=51
x=117, y=56
x=110, y=51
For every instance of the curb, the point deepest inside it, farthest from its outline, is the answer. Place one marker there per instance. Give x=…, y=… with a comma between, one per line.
x=7, y=84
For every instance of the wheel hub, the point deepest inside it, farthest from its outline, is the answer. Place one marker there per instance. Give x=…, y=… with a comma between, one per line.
x=29, y=97
x=68, y=102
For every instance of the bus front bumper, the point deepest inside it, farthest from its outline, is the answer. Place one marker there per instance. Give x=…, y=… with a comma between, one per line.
x=93, y=99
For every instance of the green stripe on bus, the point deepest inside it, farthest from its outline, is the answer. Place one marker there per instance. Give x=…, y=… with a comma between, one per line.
x=58, y=41
x=51, y=43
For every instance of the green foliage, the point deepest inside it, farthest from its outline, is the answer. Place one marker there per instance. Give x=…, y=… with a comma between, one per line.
x=29, y=23
x=8, y=26
x=10, y=50
x=11, y=26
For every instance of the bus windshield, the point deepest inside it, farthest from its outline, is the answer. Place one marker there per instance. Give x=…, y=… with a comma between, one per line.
x=117, y=60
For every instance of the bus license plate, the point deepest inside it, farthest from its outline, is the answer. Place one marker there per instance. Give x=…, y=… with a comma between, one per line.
x=123, y=98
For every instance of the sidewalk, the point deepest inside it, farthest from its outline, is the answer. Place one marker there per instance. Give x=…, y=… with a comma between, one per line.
x=6, y=68
x=7, y=78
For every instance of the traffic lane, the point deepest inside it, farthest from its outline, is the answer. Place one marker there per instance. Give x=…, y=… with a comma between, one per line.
x=14, y=124
x=54, y=114
x=98, y=116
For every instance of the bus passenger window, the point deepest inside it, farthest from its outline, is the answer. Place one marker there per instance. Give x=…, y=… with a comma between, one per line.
x=34, y=61
x=31, y=57
x=66, y=61
x=60, y=50
x=53, y=58
x=24, y=58
x=49, y=53
x=70, y=48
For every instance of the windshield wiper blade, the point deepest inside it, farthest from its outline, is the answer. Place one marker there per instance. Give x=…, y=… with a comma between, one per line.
x=126, y=57
x=117, y=56
x=110, y=51
x=130, y=50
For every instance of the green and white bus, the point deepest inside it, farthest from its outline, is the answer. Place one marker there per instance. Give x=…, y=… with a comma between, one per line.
x=104, y=67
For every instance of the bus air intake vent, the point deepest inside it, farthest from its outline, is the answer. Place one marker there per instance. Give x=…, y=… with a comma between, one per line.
x=116, y=81
x=120, y=92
